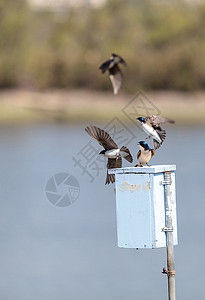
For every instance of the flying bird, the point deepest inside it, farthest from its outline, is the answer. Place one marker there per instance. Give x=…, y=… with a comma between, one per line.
x=151, y=125
x=144, y=154
x=115, y=73
x=111, y=150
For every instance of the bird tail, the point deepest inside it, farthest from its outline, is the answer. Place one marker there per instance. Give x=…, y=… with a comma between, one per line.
x=162, y=135
x=110, y=178
x=129, y=156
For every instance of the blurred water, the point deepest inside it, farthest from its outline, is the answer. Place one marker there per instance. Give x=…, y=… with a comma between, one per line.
x=71, y=253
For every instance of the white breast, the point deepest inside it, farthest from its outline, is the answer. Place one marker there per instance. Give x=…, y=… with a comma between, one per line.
x=145, y=156
x=150, y=131
x=112, y=153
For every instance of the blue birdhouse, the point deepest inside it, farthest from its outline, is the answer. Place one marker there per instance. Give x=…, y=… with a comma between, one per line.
x=140, y=206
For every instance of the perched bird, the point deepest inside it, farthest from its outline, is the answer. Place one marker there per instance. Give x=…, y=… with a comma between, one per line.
x=144, y=154
x=114, y=71
x=151, y=125
x=111, y=150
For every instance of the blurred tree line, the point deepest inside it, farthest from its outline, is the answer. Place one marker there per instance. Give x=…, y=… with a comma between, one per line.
x=163, y=45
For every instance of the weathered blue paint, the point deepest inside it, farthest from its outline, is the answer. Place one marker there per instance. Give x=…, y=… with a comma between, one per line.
x=140, y=205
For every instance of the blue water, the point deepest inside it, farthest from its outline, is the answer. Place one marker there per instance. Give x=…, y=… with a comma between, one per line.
x=54, y=253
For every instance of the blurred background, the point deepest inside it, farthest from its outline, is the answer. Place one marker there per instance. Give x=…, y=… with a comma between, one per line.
x=50, y=89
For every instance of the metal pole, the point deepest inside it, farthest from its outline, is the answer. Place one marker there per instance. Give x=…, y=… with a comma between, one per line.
x=170, y=271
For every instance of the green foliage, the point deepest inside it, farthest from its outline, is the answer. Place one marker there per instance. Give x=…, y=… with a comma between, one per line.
x=163, y=44
x=13, y=18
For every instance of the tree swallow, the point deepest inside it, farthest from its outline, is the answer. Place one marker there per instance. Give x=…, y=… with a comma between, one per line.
x=114, y=71
x=151, y=125
x=111, y=150
x=145, y=154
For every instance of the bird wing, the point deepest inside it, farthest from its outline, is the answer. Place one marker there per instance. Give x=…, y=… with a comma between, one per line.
x=116, y=78
x=110, y=178
x=102, y=137
x=112, y=164
x=129, y=155
x=104, y=66
x=152, y=152
x=118, y=59
x=155, y=121
x=138, y=154
x=162, y=135
x=122, y=61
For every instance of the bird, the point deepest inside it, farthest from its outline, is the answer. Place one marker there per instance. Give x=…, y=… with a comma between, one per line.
x=151, y=125
x=115, y=73
x=144, y=154
x=111, y=150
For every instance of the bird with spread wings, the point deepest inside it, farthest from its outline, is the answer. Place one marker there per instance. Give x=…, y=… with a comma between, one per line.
x=152, y=127
x=111, y=150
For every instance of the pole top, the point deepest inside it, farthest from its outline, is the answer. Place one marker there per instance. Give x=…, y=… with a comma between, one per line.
x=143, y=170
